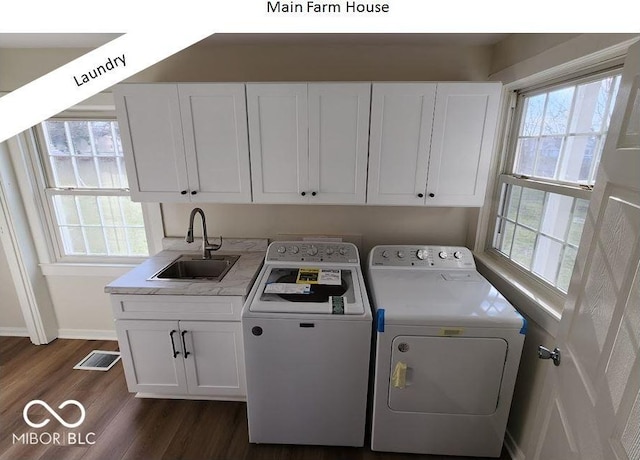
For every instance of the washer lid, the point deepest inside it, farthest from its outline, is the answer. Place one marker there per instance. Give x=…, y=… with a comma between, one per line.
x=440, y=298
x=309, y=290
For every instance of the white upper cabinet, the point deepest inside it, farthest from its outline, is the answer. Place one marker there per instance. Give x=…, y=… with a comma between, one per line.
x=278, y=139
x=151, y=133
x=464, y=129
x=214, y=123
x=400, y=137
x=431, y=143
x=309, y=142
x=185, y=142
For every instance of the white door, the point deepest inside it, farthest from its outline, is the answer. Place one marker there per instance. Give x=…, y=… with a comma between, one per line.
x=464, y=127
x=592, y=408
x=400, y=138
x=214, y=120
x=278, y=140
x=214, y=358
x=152, y=356
x=338, y=142
x=151, y=133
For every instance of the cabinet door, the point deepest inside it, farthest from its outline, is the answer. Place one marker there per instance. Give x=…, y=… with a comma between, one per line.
x=464, y=129
x=151, y=133
x=338, y=142
x=214, y=120
x=214, y=358
x=400, y=136
x=147, y=349
x=278, y=140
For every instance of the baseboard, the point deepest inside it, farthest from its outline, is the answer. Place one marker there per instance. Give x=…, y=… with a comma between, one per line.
x=87, y=334
x=512, y=447
x=14, y=332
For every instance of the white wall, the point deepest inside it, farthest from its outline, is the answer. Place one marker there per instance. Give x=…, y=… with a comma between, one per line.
x=11, y=319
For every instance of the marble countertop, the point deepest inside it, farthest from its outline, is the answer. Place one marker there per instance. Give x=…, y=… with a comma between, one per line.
x=237, y=281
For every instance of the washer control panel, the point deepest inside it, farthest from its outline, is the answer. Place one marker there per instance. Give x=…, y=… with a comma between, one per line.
x=437, y=257
x=312, y=251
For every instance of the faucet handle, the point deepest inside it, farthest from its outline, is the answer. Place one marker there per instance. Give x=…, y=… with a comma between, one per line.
x=214, y=247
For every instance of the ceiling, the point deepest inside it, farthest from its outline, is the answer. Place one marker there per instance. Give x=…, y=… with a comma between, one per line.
x=77, y=40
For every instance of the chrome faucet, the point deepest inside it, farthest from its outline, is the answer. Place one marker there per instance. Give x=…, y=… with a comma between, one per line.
x=206, y=246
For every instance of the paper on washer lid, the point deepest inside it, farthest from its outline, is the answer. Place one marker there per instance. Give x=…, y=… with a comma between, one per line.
x=287, y=288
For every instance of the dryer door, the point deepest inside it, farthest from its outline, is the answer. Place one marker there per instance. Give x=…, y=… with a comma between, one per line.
x=447, y=375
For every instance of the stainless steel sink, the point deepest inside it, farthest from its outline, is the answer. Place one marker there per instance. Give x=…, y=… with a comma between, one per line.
x=191, y=267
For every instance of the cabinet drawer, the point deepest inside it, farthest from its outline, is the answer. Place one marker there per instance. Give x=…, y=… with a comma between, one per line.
x=225, y=308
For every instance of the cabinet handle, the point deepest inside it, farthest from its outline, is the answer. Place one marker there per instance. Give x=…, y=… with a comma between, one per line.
x=303, y=193
x=420, y=195
x=184, y=345
x=193, y=192
x=432, y=195
x=184, y=192
x=313, y=193
x=173, y=345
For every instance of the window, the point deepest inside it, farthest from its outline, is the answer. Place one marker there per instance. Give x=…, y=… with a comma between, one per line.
x=87, y=190
x=557, y=140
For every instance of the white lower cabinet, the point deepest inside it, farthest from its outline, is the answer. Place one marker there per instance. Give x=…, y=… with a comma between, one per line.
x=183, y=357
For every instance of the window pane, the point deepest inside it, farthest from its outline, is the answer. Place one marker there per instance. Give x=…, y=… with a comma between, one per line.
x=547, y=258
x=591, y=106
x=110, y=207
x=117, y=241
x=73, y=239
x=507, y=238
x=557, y=112
x=548, y=154
x=523, y=243
x=533, y=111
x=557, y=211
x=103, y=137
x=137, y=241
x=526, y=156
x=577, y=222
x=95, y=240
x=578, y=158
x=514, y=202
x=87, y=175
x=109, y=175
x=566, y=269
x=89, y=210
x=79, y=131
x=63, y=172
x=66, y=211
x=56, y=138
x=531, y=205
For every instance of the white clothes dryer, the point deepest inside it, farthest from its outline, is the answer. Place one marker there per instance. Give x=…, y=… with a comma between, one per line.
x=307, y=329
x=448, y=347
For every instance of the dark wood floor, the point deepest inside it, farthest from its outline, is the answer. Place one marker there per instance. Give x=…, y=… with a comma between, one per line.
x=126, y=427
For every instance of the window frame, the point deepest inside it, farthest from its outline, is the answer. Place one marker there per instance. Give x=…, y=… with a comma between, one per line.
x=43, y=178
x=550, y=298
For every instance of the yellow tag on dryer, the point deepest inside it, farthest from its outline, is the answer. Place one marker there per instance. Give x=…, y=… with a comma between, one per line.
x=451, y=331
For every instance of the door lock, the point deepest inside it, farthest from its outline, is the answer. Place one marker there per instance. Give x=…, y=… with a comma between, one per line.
x=545, y=353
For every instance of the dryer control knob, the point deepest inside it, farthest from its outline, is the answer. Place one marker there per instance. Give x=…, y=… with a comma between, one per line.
x=457, y=255
x=421, y=254
x=342, y=251
x=443, y=254
x=385, y=254
x=329, y=251
x=400, y=254
x=282, y=250
x=312, y=251
x=294, y=249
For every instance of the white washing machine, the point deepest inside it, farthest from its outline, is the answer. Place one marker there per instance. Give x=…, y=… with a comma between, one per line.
x=448, y=347
x=307, y=329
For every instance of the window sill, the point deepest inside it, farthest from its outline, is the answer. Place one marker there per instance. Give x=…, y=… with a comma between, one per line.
x=533, y=299
x=86, y=269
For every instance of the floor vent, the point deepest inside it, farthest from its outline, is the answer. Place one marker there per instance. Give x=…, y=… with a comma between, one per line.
x=98, y=360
